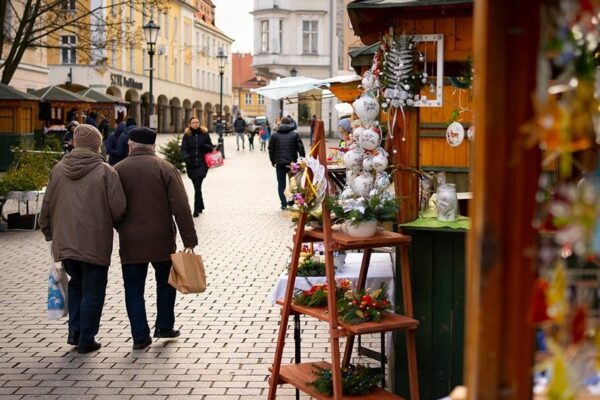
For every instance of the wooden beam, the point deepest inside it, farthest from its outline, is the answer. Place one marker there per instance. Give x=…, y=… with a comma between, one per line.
x=499, y=340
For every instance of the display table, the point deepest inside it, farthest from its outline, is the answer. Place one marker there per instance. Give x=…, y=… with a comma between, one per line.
x=27, y=221
x=380, y=271
x=437, y=256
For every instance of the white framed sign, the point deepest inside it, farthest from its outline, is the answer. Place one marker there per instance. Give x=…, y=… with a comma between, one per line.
x=432, y=91
x=153, y=123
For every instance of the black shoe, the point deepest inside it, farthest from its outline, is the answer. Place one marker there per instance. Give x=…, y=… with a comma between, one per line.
x=143, y=344
x=283, y=207
x=166, y=333
x=196, y=215
x=73, y=338
x=290, y=203
x=89, y=348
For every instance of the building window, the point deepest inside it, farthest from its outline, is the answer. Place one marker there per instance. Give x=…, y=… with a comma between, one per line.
x=113, y=57
x=198, y=78
x=310, y=33
x=68, y=51
x=202, y=82
x=175, y=29
x=166, y=68
x=132, y=57
x=280, y=44
x=68, y=5
x=248, y=99
x=264, y=37
x=144, y=65
x=175, y=71
x=166, y=25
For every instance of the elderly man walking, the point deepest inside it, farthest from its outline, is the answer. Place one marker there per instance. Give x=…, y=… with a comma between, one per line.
x=83, y=201
x=155, y=194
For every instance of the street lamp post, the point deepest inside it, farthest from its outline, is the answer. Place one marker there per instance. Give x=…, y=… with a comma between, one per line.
x=221, y=60
x=151, y=33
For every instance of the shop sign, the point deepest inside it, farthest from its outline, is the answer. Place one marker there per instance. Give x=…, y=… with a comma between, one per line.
x=120, y=80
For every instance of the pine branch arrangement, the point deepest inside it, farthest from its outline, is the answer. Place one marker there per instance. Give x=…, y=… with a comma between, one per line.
x=356, y=380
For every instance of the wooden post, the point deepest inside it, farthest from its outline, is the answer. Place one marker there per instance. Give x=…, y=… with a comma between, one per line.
x=405, y=153
x=499, y=340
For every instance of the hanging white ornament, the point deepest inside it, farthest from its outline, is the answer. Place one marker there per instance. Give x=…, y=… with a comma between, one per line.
x=353, y=159
x=382, y=181
x=455, y=134
x=369, y=139
x=362, y=184
x=368, y=163
x=471, y=133
x=380, y=162
x=366, y=108
x=348, y=193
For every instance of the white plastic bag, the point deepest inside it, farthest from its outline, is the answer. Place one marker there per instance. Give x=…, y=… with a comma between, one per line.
x=57, y=289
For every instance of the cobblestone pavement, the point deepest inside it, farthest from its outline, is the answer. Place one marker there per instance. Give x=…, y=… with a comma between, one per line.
x=228, y=333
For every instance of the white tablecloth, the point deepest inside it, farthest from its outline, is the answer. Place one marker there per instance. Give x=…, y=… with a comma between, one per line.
x=381, y=270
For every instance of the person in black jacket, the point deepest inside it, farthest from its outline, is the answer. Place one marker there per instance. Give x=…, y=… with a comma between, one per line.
x=285, y=146
x=194, y=145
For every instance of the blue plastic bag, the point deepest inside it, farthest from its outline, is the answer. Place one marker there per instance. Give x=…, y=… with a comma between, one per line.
x=57, y=290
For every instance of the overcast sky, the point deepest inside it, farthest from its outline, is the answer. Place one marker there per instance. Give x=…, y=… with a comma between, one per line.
x=234, y=18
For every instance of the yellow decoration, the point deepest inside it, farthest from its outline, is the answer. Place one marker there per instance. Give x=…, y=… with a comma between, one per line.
x=560, y=387
x=557, y=294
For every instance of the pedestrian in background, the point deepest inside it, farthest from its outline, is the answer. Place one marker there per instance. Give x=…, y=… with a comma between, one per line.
x=123, y=143
x=112, y=143
x=103, y=127
x=155, y=194
x=263, y=135
x=251, y=133
x=194, y=145
x=292, y=123
x=91, y=119
x=67, y=138
x=285, y=146
x=239, y=126
x=84, y=199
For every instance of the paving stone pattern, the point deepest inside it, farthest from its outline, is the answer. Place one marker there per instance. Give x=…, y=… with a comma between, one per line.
x=228, y=333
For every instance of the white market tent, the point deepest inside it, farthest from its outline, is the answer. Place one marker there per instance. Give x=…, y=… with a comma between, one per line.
x=285, y=88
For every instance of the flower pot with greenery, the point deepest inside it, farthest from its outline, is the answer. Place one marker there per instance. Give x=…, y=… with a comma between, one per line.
x=361, y=215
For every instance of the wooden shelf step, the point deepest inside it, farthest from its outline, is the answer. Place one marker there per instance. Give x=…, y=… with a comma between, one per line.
x=343, y=241
x=299, y=375
x=389, y=321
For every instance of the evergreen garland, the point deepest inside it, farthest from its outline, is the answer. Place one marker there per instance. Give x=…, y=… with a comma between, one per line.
x=356, y=380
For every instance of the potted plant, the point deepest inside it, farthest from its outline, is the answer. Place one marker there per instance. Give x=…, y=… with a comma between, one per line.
x=171, y=151
x=23, y=181
x=362, y=214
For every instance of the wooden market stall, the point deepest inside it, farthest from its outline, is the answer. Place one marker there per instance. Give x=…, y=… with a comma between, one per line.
x=18, y=119
x=437, y=253
x=106, y=105
x=59, y=106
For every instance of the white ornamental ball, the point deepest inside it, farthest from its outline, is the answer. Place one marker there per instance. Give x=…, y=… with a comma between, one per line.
x=406, y=87
x=380, y=162
x=403, y=95
x=425, y=75
x=350, y=176
x=384, y=105
x=424, y=80
x=347, y=194
x=369, y=139
x=471, y=133
x=368, y=163
x=366, y=108
x=382, y=181
x=362, y=185
x=357, y=132
x=353, y=160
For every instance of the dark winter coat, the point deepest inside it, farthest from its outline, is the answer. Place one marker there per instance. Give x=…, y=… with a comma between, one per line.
x=83, y=200
x=155, y=194
x=239, y=125
x=112, y=142
x=285, y=146
x=123, y=144
x=193, y=148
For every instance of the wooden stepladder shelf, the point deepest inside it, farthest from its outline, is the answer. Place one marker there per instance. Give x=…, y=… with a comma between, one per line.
x=299, y=375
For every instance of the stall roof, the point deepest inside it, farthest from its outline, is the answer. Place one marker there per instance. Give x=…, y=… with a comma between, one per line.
x=55, y=93
x=290, y=86
x=101, y=97
x=369, y=18
x=10, y=93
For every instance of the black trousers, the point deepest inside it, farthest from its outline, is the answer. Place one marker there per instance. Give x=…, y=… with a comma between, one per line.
x=198, y=200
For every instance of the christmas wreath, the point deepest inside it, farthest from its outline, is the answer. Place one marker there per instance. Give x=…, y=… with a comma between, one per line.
x=363, y=306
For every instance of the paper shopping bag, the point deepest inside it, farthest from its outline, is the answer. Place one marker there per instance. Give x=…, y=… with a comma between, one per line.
x=187, y=273
x=57, y=290
x=214, y=159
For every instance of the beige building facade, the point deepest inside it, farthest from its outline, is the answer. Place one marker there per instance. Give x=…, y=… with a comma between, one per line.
x=185, y=70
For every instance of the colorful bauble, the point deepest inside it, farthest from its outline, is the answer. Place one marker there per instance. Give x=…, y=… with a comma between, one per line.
x=455, y=134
